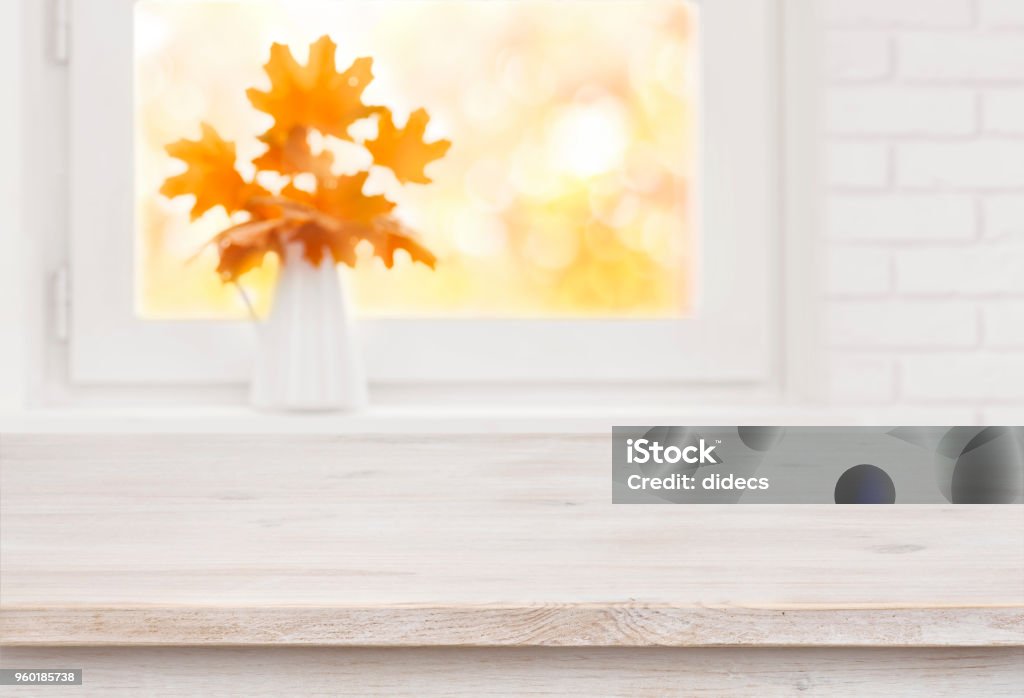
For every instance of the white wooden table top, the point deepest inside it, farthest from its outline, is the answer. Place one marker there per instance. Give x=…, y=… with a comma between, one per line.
x=387, y=540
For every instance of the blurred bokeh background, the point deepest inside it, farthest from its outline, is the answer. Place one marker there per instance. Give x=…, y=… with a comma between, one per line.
x=566, y=193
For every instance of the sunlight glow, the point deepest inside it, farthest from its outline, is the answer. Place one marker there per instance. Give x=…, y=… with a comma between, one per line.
x=587, y=140
x=566, y=192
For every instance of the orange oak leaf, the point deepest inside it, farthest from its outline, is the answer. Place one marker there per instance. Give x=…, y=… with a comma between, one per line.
x=236, y=260
x=336, y=215
x=404, y=151
x=290, y=154
x=314, y=95
x=342, y=198
x=318, y=239
x=211, y=176
x=242, y=247
x=318, y=231
x=390, y=236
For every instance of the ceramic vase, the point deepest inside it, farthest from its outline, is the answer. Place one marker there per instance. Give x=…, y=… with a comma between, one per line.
x=307, y=354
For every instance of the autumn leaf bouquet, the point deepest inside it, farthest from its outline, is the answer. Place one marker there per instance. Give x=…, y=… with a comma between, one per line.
x=298, y=206
x=334, y=215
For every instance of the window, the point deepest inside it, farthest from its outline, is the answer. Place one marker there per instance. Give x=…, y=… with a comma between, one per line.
x=565, y=194
x=605, y=214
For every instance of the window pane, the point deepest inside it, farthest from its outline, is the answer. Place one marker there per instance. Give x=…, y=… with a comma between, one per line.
x=567, y=191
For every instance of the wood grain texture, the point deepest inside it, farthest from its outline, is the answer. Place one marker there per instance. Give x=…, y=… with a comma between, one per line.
x=639, y=673
x=512, y=539
x=565, y=625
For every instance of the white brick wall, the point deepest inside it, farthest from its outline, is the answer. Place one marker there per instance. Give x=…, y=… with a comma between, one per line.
x=895, y=111
x=982, y=56
x=890, y=217
x=1003, y=217
x=924, y=225
x=911, y=13
x=1003, y=111
x=858, y=165
x=982, y=163
x=1002, y=13
x=1001, y=323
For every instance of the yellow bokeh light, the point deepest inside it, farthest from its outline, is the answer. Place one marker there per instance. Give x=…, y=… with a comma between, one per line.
x=587, y=140
x=565, y=193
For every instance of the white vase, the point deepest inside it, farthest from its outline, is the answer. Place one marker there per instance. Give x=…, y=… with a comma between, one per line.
x=307, y=354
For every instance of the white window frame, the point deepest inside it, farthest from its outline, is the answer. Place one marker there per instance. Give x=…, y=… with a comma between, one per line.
x=734, y=336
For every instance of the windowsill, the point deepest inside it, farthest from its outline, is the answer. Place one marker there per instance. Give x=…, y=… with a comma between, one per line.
x=425, y=419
